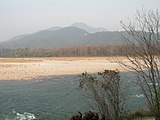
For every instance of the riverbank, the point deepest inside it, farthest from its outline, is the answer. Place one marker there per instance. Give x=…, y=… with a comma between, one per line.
x=31, y=68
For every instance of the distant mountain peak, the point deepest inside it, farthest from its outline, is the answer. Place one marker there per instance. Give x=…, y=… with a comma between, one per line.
x=79, y=24
x=88, y=28
x=55, y=28
x=73, y=29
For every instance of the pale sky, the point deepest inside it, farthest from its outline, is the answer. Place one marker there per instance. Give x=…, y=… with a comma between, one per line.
x=28, y=16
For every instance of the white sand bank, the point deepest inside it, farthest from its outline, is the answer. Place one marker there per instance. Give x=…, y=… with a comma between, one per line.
x=50, y=67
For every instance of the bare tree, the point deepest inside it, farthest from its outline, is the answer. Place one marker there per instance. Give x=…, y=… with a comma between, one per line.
x=89, y=82
x=142, y=51
x=105, y=88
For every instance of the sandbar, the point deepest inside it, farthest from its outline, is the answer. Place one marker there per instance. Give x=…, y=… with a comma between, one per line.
x=33, y=68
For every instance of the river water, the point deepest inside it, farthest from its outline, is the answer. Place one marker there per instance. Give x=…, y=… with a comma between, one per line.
x=51, y=98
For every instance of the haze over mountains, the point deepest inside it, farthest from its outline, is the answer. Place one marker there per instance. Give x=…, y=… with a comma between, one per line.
x=77, y=34
x=87, y=28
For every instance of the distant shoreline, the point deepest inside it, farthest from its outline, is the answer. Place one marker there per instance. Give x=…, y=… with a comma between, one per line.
x=32, y=68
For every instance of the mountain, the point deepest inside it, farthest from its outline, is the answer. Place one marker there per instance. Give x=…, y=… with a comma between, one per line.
x=55, y=28
x=48, y=39
x=87, y=28
x=57, y=37
x=18, y=37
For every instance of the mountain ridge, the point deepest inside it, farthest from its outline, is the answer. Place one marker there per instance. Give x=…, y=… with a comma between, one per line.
x=59, y=37
x=88, y=28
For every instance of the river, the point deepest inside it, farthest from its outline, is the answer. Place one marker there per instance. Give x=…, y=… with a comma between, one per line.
x=52, y=98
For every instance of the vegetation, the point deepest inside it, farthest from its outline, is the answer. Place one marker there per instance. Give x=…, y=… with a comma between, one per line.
x=105, y=89
x=87, y=116
x=144, y=55
x=62, y=52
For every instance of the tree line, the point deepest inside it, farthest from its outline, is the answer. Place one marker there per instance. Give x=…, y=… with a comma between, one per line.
x=106, y=50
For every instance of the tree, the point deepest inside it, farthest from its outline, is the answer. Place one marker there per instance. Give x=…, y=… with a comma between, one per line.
x=142, y=51
x=105, y=89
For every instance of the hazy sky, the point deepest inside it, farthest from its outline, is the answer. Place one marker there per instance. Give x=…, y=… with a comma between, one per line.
x=27, y=16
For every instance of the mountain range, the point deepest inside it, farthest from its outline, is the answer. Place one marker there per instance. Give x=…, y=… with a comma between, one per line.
x=78, y=34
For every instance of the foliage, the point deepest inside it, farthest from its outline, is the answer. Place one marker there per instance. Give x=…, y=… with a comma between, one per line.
x=105, y=89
